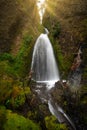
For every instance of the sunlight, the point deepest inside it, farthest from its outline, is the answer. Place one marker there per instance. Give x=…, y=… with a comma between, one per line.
x=42, y=1
x=45, y=5
x=41, y=4
x=51, y=7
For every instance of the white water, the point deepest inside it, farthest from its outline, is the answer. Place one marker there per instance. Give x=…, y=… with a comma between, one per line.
x=49, y=83
x=41, y=4
x=58, y=112
x=43, y=62
x=46, y=72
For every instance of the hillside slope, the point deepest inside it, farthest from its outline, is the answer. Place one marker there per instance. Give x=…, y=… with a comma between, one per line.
x=16, y=18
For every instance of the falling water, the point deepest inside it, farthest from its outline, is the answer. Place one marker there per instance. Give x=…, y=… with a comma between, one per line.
x=41, y=4
x=58, y=112
x=45, y=73
x=43, y=62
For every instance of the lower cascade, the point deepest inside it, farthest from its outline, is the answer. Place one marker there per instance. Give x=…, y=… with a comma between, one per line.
x=43, y=62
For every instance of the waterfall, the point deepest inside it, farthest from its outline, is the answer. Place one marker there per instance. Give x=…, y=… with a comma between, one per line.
x=45, y=70
x=43, y=61
x=58, y=112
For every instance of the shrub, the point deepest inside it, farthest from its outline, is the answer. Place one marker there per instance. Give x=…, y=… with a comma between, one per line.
x=23, y=58
x=18, y=96
x=5, y=89
x=7, y=56
x=52, y=124
x=17, y=122
x=13, y=121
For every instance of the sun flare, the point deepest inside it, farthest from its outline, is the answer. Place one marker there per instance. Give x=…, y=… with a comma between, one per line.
x=45, y=5
x=42, y=1
x=41, y=4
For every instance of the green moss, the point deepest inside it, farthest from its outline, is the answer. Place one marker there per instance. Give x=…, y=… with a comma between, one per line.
x=13, y=121
x=23, y=58
x=17, y=122
x=52, y=124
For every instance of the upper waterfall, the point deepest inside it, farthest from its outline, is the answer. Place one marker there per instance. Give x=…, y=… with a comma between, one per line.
x=41, y=4
x=43, y=61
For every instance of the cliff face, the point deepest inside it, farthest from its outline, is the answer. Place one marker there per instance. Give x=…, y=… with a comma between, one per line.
x=72, y=18
x=72, y=15
x=16, y=18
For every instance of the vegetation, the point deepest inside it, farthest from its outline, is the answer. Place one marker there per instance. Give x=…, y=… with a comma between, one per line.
x=25, y=53
x=52, y=124
x=17, y=66
x=14, y=121
x=17, y=18
x=20, y=107
x=54, y=28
